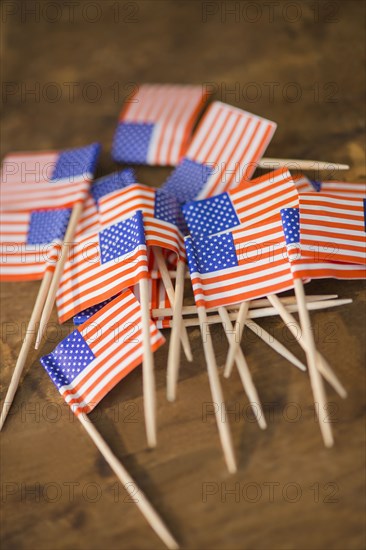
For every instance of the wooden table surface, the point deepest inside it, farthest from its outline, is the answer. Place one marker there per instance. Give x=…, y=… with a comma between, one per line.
x=300, y=64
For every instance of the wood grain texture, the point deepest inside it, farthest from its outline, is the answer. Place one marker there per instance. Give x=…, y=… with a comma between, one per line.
x=50, y=471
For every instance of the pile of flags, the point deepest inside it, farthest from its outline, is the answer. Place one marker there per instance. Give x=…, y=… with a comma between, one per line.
x=115, y=254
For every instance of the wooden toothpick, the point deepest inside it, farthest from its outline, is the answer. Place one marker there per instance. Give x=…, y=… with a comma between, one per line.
x=244, y=372
x=315, y=377
x=235, y=344
x=254, y=304
x=66, y=245
x=322, y=365
x=177, y=324
x=148, y=375
x=216, y=391
x=299, y=164
x=183, y=335
x=130, y=485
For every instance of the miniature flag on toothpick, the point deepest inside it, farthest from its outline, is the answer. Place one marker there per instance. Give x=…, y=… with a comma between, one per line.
x=239, y=265
x=87, y=364
x=155, y=124
x=101, y=265
x=224, y=151
x=30, y=181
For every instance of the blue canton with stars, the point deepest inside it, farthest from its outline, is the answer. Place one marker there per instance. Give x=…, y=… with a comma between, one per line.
x=47, y=225
x=76, y=162
x=131, y=142
x=210, y=216
x=84, y=315
x=187, y=180
x=291, y=225
x=68, y=359
x=112, y=182
x=211, y=254
x=121, y=238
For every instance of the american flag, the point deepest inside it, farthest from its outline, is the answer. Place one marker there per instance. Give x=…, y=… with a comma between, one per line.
x=250, y=203
x=332, y=227
x=59, y=179
x=87, y=364
x=224, y=151
x=101, y=265
x=239, y=265
x=30, y=242
x=313, y=268
x=156, y=124
x=162, y=214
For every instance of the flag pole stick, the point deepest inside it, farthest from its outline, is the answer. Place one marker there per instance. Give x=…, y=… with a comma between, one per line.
x=254, y=304
x=177, y=325
x=275, y=344
x=26, y=345
x=272, y=342
x=216, y=391
x=244, y=372
x=150, y=514
x=148, y=376
x=66, y=245
x=183, y=334
x=315, y=377
x=299, y=164
x=235, y=344
x=322, y=365
x=260, y=313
